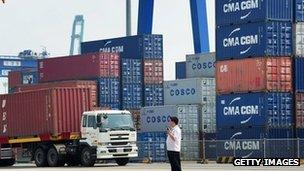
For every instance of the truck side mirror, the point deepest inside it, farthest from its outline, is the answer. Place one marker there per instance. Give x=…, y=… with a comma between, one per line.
x=98, y=124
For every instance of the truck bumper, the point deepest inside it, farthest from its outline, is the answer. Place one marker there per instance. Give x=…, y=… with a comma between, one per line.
x=118, y=152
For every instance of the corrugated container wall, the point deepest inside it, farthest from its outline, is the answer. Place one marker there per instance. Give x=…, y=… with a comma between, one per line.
x=255, y=109
x=154, y=95
x=254, y=40
x=298, y=32
x=299, y=74
x=89, y=66
x=189, y=91
x=180, y=70
x=131, y=47
x=14, y=79
x=63, y=84
x=254, y=74
x=245, y=11
x=153, y=71
x=299, y=10
x=44, y=112
x=109, y=93
x=299, y=110
x=200, y=65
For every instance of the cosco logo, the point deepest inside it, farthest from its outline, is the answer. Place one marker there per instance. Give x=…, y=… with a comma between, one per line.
x=182, y=92
x=158, y=119
x=204, y=65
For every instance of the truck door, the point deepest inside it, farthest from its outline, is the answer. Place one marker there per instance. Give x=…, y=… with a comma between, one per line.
x=84, y=126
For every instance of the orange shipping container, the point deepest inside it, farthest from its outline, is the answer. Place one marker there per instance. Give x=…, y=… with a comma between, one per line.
x=153, y=71
x=254, y=75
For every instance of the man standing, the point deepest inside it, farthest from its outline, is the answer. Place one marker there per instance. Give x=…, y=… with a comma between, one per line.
x=174, y=144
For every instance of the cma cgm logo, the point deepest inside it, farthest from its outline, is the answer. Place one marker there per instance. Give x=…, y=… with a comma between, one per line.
x=205, y=65
x=233, y=110
x=242, y=145
x=182, y=92
x=247, y=40
x=231, y=7
x=158, y=119
x=114, y=49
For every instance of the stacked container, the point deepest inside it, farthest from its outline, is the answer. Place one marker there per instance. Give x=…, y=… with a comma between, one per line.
x=254, y=76
x=22, y=77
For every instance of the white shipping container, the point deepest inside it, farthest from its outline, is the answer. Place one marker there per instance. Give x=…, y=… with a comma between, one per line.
x=190, y=146
x=209, y=115
x=200, y=65
x=299, y=39
x=189, y=91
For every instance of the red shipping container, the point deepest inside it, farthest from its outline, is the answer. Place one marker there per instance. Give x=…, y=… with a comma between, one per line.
x=43, y=113
x=153, y=71
x=14, y=79
x=87, y=66
x=299, y=110
x=253, y=75
x=73, y=83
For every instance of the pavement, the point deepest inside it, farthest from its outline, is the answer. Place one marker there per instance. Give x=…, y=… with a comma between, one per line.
x=187, y=166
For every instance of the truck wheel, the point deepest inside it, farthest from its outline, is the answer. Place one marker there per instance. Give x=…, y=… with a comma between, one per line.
x=40, y=158
x=86, y=157
x=54, y=159
x=73, y=160
x=122, y=161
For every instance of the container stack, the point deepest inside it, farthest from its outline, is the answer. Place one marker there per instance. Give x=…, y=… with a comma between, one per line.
x=254, y=77
x=22, y=77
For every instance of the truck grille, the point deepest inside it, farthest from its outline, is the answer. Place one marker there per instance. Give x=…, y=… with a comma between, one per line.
x=119, y=136
x=119, y=143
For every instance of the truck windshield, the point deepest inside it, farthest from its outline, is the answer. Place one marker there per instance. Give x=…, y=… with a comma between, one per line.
x=120, y=121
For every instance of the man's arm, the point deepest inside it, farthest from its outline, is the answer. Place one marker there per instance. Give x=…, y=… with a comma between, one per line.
x=171, y=135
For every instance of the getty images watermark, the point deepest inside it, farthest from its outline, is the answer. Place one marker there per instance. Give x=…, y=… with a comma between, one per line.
x=266, y=162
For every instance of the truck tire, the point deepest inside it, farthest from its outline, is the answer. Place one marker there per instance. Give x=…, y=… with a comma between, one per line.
x=40, y=157
x=86, y=157
x=122, y=161
x=73, y=160
x=54, y=159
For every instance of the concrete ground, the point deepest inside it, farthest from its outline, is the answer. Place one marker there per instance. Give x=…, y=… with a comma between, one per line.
x=187, y=166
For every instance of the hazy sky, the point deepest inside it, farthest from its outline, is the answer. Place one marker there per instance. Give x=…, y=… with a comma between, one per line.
x=31, y=24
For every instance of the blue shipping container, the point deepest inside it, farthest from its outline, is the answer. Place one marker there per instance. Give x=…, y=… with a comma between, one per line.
x=299, y=74
x=15, y=63
x=131, y=47
x=244, y=11
x=109, y=92
x=300, y=138
x=180, y=70
x=249, y=142
x=254, y=40
x=154, y=95
x=299, y=11
x=132, y=96
x=30, y=77
x=131, y=71
x=255, y=109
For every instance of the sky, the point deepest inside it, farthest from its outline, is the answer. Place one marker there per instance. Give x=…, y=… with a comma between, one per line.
x=33, y=24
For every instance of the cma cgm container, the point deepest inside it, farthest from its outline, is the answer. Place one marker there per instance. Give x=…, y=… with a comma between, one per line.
x=254, y=39
x=49, y=112
x=299, y=12
x=189, y=91
x=154, y=95
x=298, y=39
x=63, y=84
x=109, y=92
x=244, y=11
x=131, y=47
x=180, y=70
x=249, y=142
x=89, y=66
x=254, y=74
x=299, y=100
x=255, y=109
x=200, y=65
x=153, y=71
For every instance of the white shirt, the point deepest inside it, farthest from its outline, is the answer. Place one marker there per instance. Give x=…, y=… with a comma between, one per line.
x=174, y=145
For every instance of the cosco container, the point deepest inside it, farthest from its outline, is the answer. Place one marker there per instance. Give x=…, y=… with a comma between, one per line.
x=244, y=11
x=154, y=95
x=299, y=39
x=255, y=109
x=153, y=71
x=299, y=74
x=89, y=66
x=132, y=96
x=256, y=142
x=254, y=75
x=131, y=47
x=48, y=112
x=254, y=39
x=189, y=91
x=109, y=93
x=156, y=118
x=299, y=110
x=299, y=10
x=63, y=84
x=200, y=65
x=180, y=70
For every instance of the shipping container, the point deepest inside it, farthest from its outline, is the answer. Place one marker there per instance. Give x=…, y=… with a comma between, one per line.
x=208, y=120
x=254, y=75
x=298, y=31
x=245, y=11
x=250, y=142
x=73, y=83
x=299, y=111
x=89, y=66
x=156, y=118
x=299, y=74
x=300, y=142
x=131, y=47
x=4, y=85
x=17, y=62
x=255, y=109
x=154, y=95
x=208, y=148
x=47, y=112
x=14, y=79
x=180, y=70
x=131, y=71
x=109, y=93
x=132, y=96
x=136, y=118
x=153, y=71
x=299, y=12
x=200, y=65
x=253, y=40
x=189, y=91
x=29, y=77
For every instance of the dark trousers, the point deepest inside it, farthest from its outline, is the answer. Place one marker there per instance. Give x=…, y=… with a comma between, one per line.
x=174, y=159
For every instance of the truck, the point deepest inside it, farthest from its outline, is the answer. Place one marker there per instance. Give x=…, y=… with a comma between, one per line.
x=58, y=126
